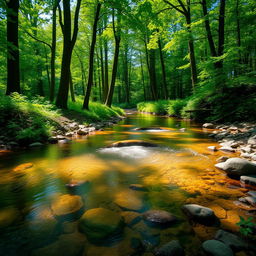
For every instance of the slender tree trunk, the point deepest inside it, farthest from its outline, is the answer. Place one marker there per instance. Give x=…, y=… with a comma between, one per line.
x=192, y=57
x=126, y=73
x=165, y=89
x=106, y=82
x=238, y=29
x=71, y=86
x=13, y=59
x=152, y=73
x=53, y=49
x=142, y=78
x=103, y=97
x=208, y=30
x=68, y=46
x=221, y=32
x=114, y=72
x=91, y=59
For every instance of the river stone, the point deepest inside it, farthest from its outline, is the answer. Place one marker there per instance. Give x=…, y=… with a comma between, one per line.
x=66, y=204
x=237, y=167
x=172, y=248
x=158, y=217
x=64, y=141
x=127, y=200
x=252, y=140
x=250, y=180
x=222, y=159
x=22, y=167
x=83, y=131
x=138, y=187
x=208, y=126
x=200, y=214
x=212, y=148
x=216, y=248
x=99, y=224
x=8, y=216
x=252, y=193
x=127, y=143
x=227, y=149
x=231, y=240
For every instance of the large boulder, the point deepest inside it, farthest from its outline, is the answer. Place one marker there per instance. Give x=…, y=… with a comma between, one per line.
x=231, y=240
x=216, y=248
x=172, y=248
x=237, y=167
x=159, y=218
x=99, y=224
x=65, y=205
x=200, y=214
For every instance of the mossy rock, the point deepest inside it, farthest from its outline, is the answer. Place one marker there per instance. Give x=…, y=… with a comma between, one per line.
x=99, y=224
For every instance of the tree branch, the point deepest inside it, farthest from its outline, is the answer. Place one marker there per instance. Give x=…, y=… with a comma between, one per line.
x=175, y=7
x=78, y=5
x=38, y=40
x=60, y=18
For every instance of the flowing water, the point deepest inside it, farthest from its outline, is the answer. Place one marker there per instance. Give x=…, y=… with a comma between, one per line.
x=179, y=171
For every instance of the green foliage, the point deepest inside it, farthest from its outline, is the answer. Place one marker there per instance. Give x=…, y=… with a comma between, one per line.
x=246, y=226
x=26, y=120
x=97, y=110
x=175, y=107
x=157, y=107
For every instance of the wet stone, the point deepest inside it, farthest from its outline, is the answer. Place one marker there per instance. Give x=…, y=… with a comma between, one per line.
x=159, y=218
x=66, y=204
x=100, y=223
x=216, y=248
x=172, y=248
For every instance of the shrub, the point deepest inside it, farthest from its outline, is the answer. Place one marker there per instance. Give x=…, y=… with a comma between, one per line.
x=175, y=106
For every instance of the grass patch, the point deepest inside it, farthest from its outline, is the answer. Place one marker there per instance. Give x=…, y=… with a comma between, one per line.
x=157, y=107
x=96, y=112
x=25, y=120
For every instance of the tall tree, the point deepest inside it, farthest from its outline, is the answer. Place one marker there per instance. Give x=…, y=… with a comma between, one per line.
x=185, y=9
x=91, y=58
x=117, y=36
x=13, y=57
x=69, y=41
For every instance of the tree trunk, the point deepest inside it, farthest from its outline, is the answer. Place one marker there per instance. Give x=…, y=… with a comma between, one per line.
x=91, y=59
x=71, y=86
x=191, y=49
x=53, y=50
x=165, y=89
x=152, y=73
x=142, y=78
x=68, y=46
x=13, y=69
x=114, y=72
x=126, y=73
x=208, y=30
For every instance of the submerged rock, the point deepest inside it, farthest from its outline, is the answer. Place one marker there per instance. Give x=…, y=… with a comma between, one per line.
x=100, y=223
x=237, y=167
x=66, y=204
x=172, y=248
x=159, y=217
x=231, y=240
x=200, y=214
x=128, y=200
x=216, y=248
x=127, y=143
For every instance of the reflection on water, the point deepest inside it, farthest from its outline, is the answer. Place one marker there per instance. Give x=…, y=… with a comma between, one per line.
x=85, y=174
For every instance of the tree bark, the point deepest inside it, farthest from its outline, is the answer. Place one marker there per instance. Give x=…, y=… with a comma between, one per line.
x=13, y=59
x=53, y=49
x=68, y=46
x=165, y=89
x=71, y=86
x=152, y=73
x=91, y=59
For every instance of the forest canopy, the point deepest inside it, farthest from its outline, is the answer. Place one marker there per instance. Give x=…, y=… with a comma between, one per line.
x=202, y=53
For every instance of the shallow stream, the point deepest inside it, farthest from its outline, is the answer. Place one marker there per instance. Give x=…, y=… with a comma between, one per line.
x=127, y=180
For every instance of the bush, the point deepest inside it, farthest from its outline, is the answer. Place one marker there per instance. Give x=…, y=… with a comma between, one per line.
x=175, y=106
x=157, y=107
